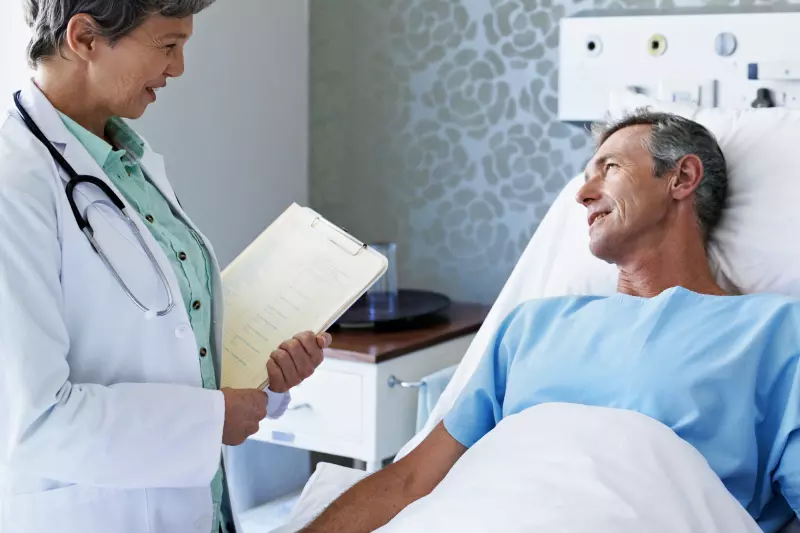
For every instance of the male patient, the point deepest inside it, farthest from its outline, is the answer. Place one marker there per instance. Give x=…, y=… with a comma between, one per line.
x=720, y=370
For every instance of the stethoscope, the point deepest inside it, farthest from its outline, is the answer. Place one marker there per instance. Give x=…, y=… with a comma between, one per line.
x=76, y=179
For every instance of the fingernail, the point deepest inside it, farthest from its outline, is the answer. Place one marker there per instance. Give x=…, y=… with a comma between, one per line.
x=328, y=339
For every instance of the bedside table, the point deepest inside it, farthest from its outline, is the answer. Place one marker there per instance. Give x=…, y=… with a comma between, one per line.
x=358, y=404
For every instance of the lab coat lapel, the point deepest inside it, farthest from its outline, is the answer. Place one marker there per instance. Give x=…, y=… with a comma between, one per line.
x=154, y=168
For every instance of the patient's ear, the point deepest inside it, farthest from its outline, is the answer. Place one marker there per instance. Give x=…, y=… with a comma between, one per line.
x=687, y=175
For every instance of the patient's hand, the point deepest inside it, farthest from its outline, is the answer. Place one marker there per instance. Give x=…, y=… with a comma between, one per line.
x=295, y=360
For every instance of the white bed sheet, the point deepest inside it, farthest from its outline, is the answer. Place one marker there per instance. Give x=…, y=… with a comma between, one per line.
x=327, y=483
x=566, y=468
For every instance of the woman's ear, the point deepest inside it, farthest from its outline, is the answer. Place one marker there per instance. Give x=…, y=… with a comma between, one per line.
x=81, y=37
x=688, y=173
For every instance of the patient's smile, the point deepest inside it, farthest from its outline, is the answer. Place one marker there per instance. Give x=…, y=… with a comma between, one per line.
x=594, y=217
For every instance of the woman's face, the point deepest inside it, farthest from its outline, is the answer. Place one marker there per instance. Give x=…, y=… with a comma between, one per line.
x=126, y=76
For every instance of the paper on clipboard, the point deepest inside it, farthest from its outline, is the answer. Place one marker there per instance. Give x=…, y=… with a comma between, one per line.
x=301, y=274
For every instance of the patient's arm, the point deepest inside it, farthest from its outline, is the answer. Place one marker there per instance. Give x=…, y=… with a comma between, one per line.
x=377, y=499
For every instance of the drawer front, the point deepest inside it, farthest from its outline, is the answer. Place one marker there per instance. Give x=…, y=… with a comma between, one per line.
x=396, y=407
x=326, y=407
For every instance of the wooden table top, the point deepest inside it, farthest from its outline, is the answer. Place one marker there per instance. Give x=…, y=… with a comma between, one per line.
x=369, y=346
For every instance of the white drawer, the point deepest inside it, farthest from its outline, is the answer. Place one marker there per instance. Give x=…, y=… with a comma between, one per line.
x=328, y=406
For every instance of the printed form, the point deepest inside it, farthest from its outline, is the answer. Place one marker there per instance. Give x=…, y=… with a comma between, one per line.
x=301, y=274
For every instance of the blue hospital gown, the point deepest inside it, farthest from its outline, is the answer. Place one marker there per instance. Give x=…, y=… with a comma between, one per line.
x=721, y=371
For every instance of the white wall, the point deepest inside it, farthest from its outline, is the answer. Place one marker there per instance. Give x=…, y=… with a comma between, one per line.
x=13, y=39
x=234, y=128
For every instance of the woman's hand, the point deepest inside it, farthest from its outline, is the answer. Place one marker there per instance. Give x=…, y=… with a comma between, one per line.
x=295, y=360
x=244, y=409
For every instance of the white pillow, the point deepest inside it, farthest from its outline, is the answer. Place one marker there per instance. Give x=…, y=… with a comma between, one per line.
x=755, y=249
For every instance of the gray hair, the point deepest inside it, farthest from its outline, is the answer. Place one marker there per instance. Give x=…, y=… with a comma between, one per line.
x=48, y=19
x=673, y=137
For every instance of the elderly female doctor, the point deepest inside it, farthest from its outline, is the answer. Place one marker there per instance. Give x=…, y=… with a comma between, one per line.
x=110, y=415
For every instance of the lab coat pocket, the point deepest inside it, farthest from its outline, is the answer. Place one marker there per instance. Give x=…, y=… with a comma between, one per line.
x=76, y=509
x=184, y=510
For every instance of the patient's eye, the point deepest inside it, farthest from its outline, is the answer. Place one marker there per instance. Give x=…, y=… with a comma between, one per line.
x=608, y=166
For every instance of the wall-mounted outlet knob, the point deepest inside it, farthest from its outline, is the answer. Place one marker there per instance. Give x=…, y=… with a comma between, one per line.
x=725, y=44
x=657, y=45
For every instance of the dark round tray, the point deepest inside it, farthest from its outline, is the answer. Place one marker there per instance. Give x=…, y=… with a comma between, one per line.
x=409, y=305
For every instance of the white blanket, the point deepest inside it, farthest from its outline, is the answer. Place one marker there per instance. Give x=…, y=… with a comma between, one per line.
x=570, y=469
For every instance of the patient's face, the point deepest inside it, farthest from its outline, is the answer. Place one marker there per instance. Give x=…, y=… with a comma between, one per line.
x=626, y=204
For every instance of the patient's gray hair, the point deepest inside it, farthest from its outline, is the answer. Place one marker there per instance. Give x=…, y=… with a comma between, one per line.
x=115, y=19
x=672, y=138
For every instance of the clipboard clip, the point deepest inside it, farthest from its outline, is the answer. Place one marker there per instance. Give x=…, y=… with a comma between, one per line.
x=338, y=236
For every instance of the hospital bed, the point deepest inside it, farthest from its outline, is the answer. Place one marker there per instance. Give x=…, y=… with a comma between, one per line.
x=707, y=66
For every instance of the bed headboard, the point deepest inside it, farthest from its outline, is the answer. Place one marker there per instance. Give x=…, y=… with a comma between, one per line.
x=711, y=57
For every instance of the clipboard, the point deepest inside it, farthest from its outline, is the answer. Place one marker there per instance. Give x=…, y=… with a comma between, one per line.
x=301, y=274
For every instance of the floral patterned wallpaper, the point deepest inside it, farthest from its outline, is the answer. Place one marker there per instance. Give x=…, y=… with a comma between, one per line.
x=433, y=124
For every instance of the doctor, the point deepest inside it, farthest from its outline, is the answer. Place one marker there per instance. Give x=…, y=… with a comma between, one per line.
x=110, y=321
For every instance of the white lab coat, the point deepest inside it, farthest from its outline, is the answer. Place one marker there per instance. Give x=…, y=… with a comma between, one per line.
x=104, y=424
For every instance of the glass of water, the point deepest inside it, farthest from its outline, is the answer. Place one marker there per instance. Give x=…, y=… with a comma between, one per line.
x=382, y=296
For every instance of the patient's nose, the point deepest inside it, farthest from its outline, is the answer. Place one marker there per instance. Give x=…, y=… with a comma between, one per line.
x=588, y=193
